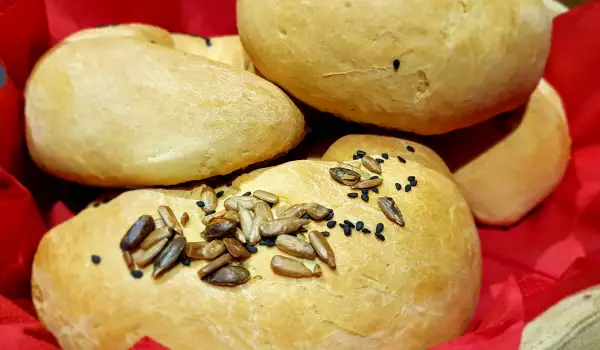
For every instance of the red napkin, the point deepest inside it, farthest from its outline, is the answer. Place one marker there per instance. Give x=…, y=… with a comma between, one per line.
x=552, y=253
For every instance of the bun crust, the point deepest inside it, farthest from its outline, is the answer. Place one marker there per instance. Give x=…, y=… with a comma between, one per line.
x=417, y=288
x=225, y=49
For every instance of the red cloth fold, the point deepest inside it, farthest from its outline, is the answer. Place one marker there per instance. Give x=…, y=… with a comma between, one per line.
x=552, y=253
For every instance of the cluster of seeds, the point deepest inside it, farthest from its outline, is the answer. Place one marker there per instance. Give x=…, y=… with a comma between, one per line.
x=230, y=237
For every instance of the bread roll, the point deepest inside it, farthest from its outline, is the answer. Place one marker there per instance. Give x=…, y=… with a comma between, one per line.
x=508, y=165
x=125, y=112
x=417, y=288
x=225, y=49
x=146, y=32
x=422, y=67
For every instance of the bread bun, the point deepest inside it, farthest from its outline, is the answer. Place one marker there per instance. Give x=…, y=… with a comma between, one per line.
x=508, y=165
x=124, y=112
x=146, y=32
x=425, y=68
x=225, y=49
x=417, y=288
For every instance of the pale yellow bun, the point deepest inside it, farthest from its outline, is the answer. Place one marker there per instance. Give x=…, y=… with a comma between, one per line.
x=460, y=62
x=125, y=112
x=508, y=165
x=146, y=32
x=417, y=288
x=225, y=49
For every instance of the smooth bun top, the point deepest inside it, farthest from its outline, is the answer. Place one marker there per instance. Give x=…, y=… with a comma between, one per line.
x=422, y=67
x=146, y=32
x=417, y=288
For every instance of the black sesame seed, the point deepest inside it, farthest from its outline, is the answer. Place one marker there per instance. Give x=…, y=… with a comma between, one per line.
x=379, y=160
x=365, y=197
x=207, y=42
x=96, y=204
x=402, y=160
x=210, y=212
x=398, y=186
x=137, y=274
x=375, y=189
x=396, y=64
x=349, y=223
x=359, y=225
x=252, y=249
x=410, y=148
x=96, y=259
x=366, y=230
x=325, y=233
x=374, y=177
x=413, y=183
x=268, y=241
x=331, y=224
x=229, y=184
x=220, y=194
x=186, y=261
x=385, y=156
x=407, y=188
x=379, y=228
x=361, y=153
x=305, y=216
x=347, y=230
x=355, y=157
x=330, y=215
x=302, y=229
x=247, y=194
x=365, y=190
x=353, y=195
x=411, y=178
x=201, y=204
x=380, y=236
x=341, y=224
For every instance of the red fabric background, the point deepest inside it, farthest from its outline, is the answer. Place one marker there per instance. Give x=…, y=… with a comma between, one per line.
x=552, y=253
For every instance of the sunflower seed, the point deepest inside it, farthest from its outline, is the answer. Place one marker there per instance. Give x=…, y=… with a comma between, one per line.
x=266, y=196
x=317, y=271
x=185, y=218
x=206, y=219
x=295, y=247
x=228, y=276
x=155, y=236
x=166, y=213
x=233, y=203
x=368, y=183
x=295, y=211
x=215, y=265
x=193, y=250
x=239, y=235
x=209, y=197
x=151, y=253
x=246, y=221
x=289, y=267
x=196, y=193
x=344, y=176
x=371, y=164
x=232, y=215
x=263, y=210
x=143, y=226
x=158, y=223
x=236, y=249
x=322, y=248
x=219, y=228
x=391, y=210
x=316, y=210
x=363, y=174
x=128, y=260
x=169, y=256
x=213, y=249
x=281, y=226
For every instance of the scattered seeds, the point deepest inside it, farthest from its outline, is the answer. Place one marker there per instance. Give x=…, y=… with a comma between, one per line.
x=263, y=210
x=317, y=271
x=96, y=259
x=391, y=210
x=289, y=267
x=361, y=153
x=379, y=160
x=215, y=265
x=359, y=225
x=411, y=178
x=211, y=212
x=239, y=235
x=246, y=221
x=413, y=183
x=368, y=183
x=295, y=247
x=371, y=164
x=252, y=249
x=345, y=176
x=322, y=248
x=365, y=190
x=247, y=194
x=158, y=223
x=169, y=256
x=325, y=233
x=349, y=223
x=234, y=203
x=295, y=211
x=143, y=226
x=305, y=216
x=228, y=276
x=185, y=218
x=232, y=215
x=375, y=190
x=213, y=249
x=402, y=160
x=385, y=155
x=365, y=197
x=347, y=230
x=366, y=230
x=145, y=259
x=166, y=213
x=266, y=196
x=379, y=228
x=220, y=194
x=316, y=210
x=374, y=177
x=410, y=148
x=267, y=241
x=281, y=226
x=363, y=174
x=128, y=260
x=155, y=236
x=193, y=250
x=208, y=217
x=209, y=197
x=137, y=274
x=302, y=230
x=355, y=157
x=407, y=188
x=200, y=204
x=236, y=249
x=396, y=64
x=331, y=224
x=218, y=228
x=353, y=195
x=330, y=215
x=398, y=186
x=186, y=261
x=380, y=236
x=228, y=184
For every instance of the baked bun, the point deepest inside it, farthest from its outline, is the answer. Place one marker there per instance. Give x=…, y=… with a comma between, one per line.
x=405, y=65
x=146, y=32
x=124, y=112
x=509, y=164
x=225, y=49
x=417, y=288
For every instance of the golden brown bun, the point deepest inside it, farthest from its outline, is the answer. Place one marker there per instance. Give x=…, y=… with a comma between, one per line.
x=460, y=62
x=146, y=32
x=126, y=112
x=226, y=49
x=508, y=165
x=417, y=288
